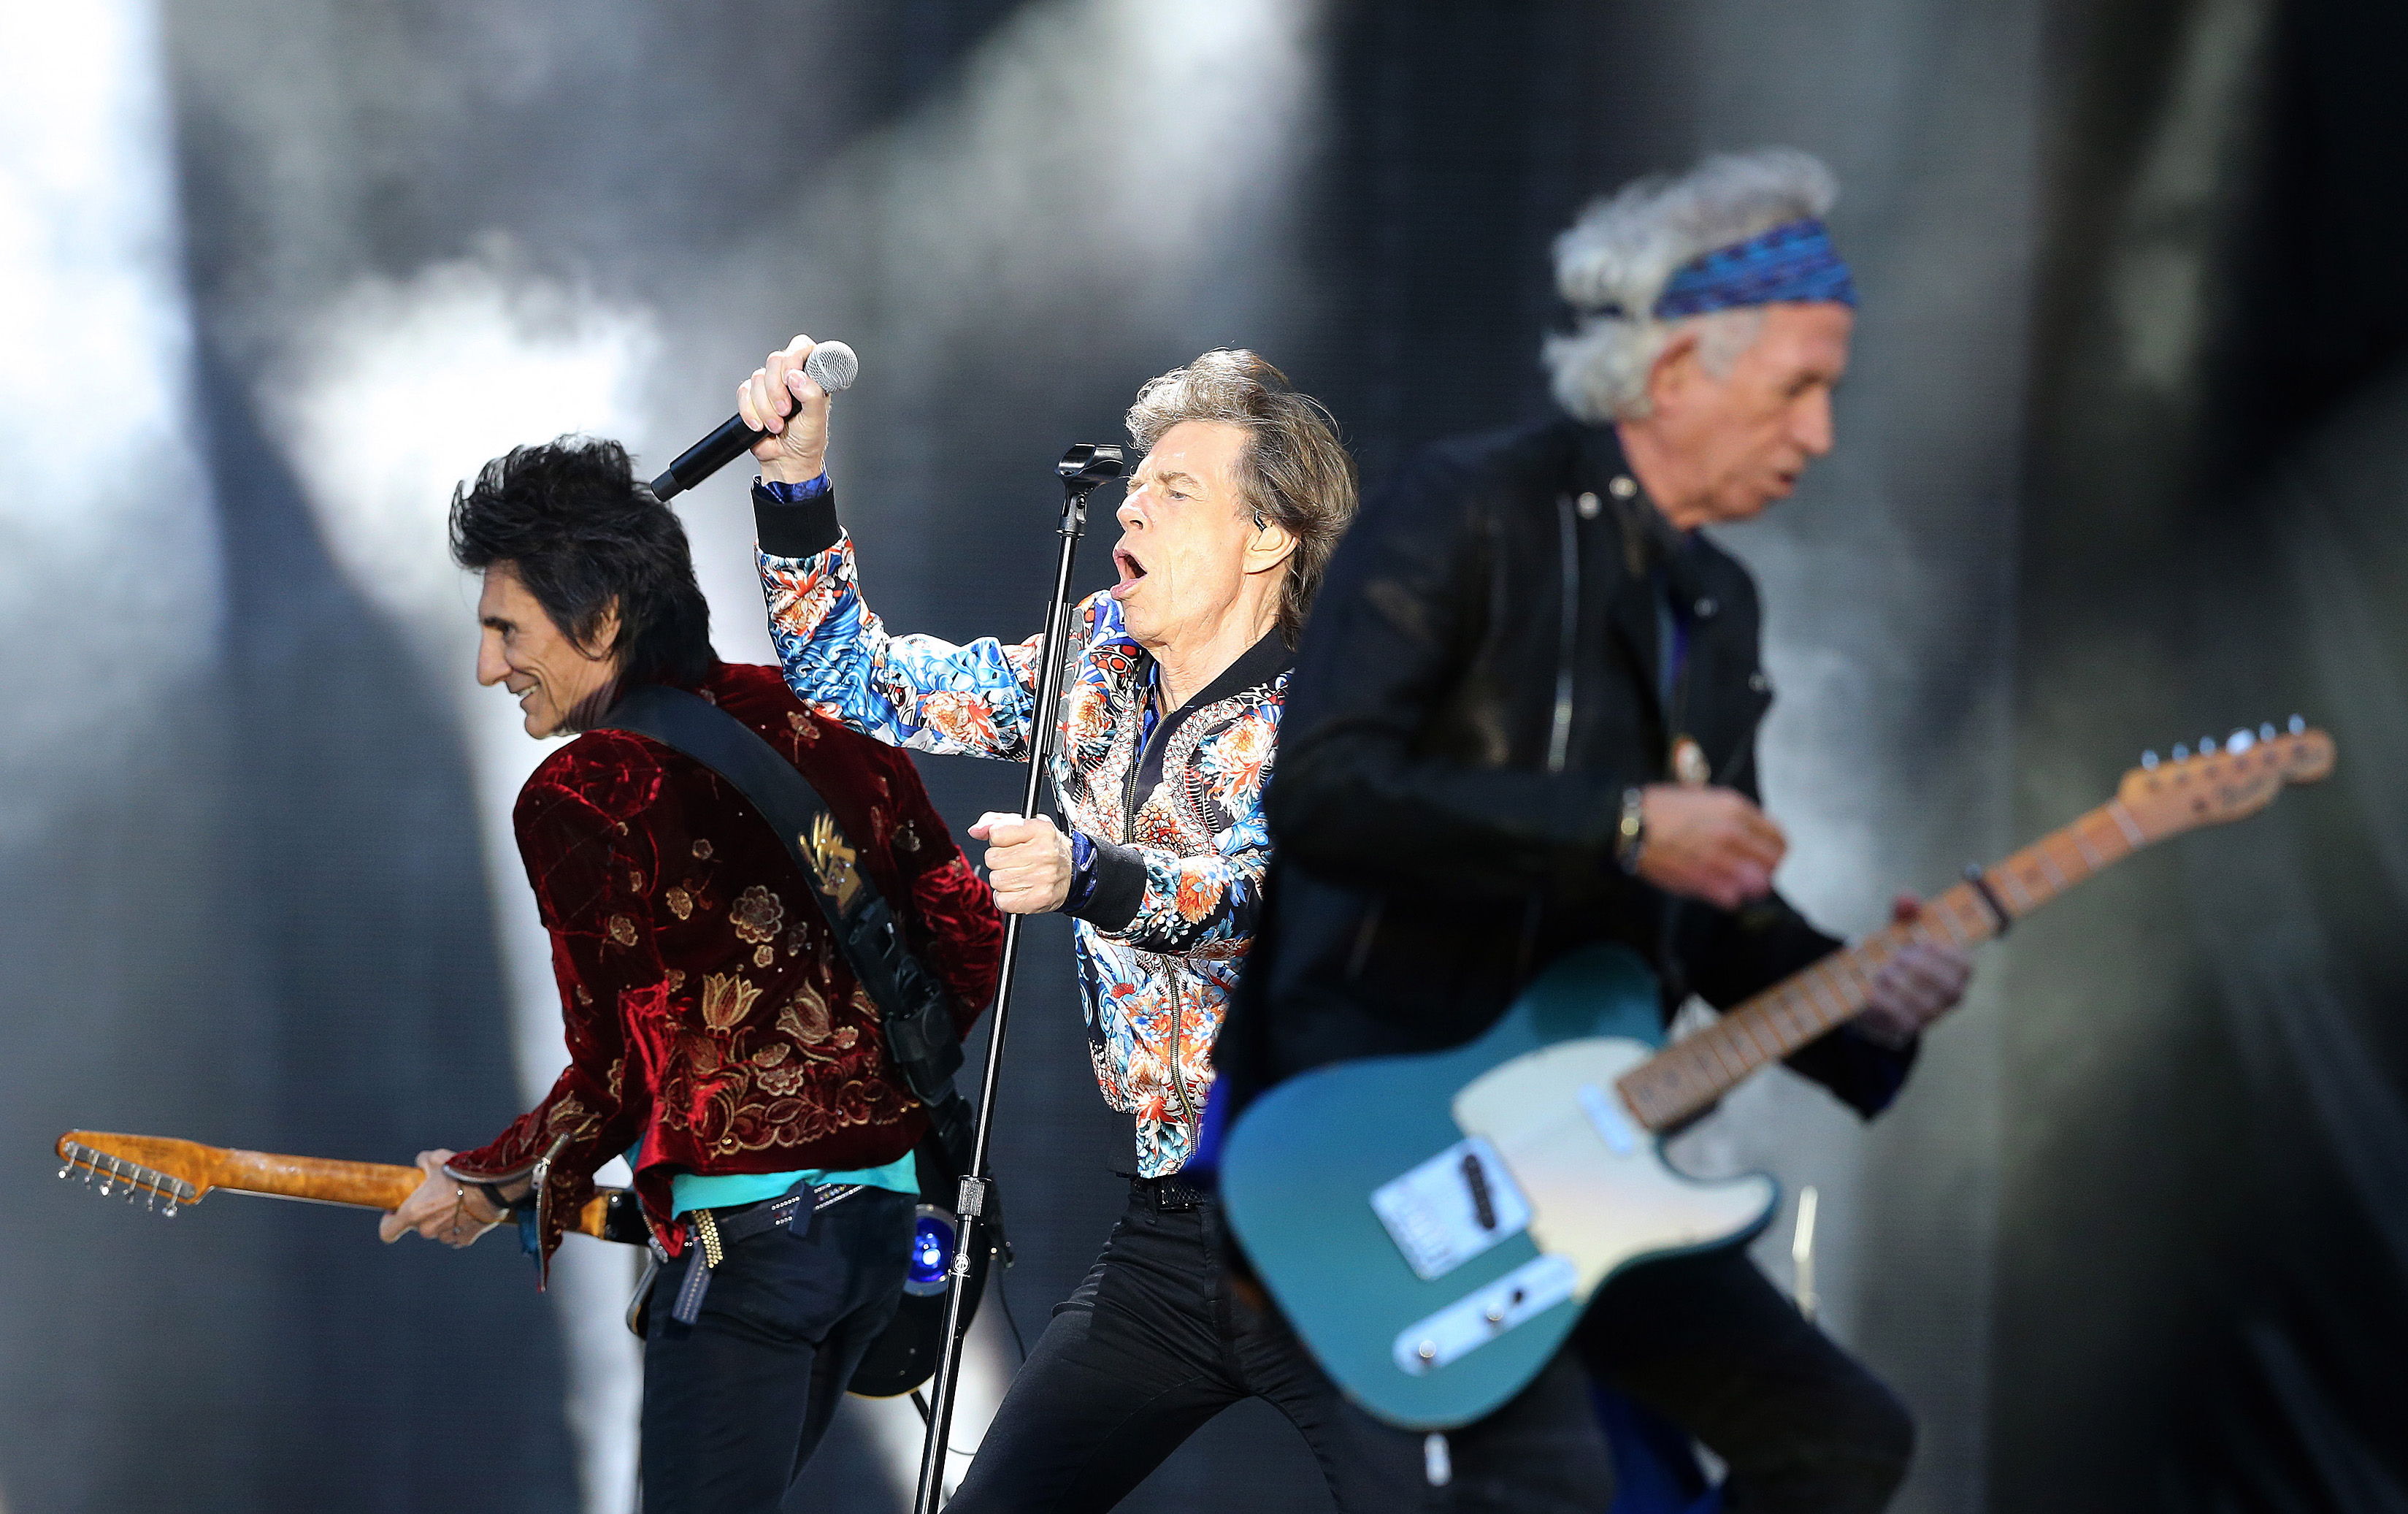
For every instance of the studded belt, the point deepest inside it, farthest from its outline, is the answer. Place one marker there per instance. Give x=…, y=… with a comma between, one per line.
x=709, y=1233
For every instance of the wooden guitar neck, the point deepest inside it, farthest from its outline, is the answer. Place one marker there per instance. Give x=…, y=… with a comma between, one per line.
x=2155, y=801
x=169, y=1174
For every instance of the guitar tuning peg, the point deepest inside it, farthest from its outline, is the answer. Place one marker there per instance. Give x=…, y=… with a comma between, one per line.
x=2182, y=753
x=2148, y=759
x=2298, y=724
x=2206, y=745
x=2240, y=740
x=169, y=1212
x=2266, y=731
x=68, y=1168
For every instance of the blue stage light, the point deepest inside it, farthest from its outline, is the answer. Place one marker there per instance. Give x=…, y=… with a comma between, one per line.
x=932, y=1252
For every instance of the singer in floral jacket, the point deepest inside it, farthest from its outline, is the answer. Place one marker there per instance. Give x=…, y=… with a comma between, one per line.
x=1169, y=718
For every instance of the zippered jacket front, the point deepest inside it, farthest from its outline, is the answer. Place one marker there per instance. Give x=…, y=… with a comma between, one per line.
x=1178, y=864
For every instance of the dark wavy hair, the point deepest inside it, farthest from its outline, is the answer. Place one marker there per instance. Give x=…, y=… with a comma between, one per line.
x=583, y=534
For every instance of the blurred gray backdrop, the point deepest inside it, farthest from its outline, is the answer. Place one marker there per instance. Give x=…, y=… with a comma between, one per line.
x=277, y=274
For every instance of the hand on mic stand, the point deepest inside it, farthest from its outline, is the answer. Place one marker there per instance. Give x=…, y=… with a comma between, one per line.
x=789, y=407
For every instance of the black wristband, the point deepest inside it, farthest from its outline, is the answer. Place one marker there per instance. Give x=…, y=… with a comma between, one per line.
x=1119, y=888
x=797, y=530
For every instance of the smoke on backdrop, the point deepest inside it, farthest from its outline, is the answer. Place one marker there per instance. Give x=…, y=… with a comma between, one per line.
x=273, y=276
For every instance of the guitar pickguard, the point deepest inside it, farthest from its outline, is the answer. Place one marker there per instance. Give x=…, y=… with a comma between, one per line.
x=1599, y=1195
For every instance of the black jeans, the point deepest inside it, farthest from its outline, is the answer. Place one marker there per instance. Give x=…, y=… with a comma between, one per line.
x=1711, y=1344
x=735, y=1402
x=1156, y=1341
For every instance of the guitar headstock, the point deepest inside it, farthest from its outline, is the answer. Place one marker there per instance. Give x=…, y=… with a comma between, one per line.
x=2220, y=782
x=146, y=1166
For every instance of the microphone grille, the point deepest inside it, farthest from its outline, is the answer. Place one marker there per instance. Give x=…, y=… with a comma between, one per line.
x=832, y=366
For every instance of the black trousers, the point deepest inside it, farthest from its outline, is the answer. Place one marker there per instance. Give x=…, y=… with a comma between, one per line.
x=1156, y=1341
x=735, y=1402
x=1711, y=1344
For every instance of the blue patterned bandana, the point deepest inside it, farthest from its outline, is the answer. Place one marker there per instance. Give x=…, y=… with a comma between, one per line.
x=1793, y=261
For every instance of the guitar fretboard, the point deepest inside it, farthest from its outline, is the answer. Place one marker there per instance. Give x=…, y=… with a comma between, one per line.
x=1689, y=1075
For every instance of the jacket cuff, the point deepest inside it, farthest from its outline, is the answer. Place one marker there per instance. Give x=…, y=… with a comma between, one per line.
x=802, y=527
x=1118, y=887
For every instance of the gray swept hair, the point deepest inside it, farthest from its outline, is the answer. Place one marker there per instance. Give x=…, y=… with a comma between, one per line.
x=1626, y=246
x=1294, y=470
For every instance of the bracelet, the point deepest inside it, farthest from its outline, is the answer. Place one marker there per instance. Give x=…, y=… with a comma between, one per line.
x=493, y=1193
x=1630, y=836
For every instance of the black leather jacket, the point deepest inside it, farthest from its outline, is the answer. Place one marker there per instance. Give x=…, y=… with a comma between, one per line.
x=1478, y=687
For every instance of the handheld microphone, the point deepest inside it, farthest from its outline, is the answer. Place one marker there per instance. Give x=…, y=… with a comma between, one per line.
x=832, y=366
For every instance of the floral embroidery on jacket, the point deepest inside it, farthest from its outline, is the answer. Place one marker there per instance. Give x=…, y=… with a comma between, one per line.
x=688, y=1028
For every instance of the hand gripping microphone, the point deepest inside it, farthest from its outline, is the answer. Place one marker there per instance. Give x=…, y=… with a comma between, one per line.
x=832, y=366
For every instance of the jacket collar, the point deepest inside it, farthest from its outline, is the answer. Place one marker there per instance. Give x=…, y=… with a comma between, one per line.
x=1599, y=466
x=1260, y=663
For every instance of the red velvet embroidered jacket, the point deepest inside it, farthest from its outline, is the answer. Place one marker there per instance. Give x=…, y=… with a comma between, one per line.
x=709, y=1009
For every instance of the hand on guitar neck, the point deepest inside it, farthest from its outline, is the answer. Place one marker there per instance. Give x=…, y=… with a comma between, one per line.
x=1922, y=982
x=442, y=1208
x=1715, y=845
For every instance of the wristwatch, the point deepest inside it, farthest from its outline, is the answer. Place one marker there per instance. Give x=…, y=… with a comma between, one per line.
x=1631, y=834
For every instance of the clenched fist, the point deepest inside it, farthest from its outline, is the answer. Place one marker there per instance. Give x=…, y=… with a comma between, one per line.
x=791, y=407
x=1028, y=862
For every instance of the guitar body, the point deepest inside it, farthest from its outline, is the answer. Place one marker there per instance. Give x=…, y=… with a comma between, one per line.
x=1433, y=1225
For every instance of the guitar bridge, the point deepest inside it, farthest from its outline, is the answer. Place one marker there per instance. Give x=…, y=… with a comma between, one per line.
x=1451, y=1207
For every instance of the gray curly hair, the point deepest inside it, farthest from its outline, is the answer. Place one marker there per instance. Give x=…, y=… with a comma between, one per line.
x=1294, y=470
x=1624, y=248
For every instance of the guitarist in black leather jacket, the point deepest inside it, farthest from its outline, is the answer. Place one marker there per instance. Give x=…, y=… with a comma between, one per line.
x=1524, y=719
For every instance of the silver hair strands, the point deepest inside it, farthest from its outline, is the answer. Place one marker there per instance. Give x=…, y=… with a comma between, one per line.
x=1611, y=265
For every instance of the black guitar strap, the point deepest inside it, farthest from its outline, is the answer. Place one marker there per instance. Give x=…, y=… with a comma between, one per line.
x=920, y=1037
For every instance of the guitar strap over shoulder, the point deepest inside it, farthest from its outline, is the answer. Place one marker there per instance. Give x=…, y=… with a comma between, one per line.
x=920, y=1041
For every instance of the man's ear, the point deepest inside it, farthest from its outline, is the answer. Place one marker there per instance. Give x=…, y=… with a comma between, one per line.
x=1675, y=370
x=604, y=640
x=1270, y=545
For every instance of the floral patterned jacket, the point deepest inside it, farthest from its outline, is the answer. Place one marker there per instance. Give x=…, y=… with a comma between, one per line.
x=709, y=1010
x=1178, y=864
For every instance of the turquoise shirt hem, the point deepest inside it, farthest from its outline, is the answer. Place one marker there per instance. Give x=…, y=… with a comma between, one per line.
x=689, y=1192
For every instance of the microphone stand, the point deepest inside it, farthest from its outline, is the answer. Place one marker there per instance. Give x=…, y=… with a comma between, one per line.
x=1081, y=468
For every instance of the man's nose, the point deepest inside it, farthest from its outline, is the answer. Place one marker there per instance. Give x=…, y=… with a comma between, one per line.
x=1814, y=423
x=491, y=668
x=1128, y=514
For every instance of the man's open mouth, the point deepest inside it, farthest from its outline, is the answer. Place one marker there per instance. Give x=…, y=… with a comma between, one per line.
x=1131, y=570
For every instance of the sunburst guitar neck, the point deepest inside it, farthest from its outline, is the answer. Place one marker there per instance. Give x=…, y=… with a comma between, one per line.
x=164, y=1176
x=1433, y=1225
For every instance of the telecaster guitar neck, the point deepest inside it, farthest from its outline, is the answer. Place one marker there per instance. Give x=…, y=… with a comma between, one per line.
x=2153, y=802
x=165, y=1174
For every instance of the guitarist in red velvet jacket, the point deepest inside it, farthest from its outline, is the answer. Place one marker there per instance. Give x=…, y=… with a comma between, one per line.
x=717, y=1036
x=1524, y=721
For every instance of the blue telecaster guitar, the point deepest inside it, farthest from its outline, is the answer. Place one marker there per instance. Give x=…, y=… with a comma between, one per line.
x=1433, y=1224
